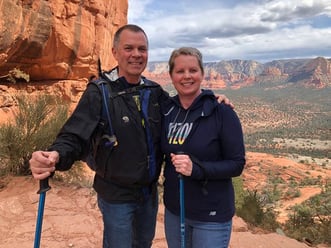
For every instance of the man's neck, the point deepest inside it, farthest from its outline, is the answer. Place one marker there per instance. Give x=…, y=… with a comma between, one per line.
x=131, y=79
x=114, y=74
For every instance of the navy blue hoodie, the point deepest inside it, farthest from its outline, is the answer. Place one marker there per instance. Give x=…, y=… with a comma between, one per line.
x=211, y=134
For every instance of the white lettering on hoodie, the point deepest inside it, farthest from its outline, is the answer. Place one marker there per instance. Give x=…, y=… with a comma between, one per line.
x=178, y=132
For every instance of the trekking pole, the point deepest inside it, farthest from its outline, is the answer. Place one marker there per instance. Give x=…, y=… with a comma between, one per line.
x=182, y=208
x=182, y=211
x=43, y=188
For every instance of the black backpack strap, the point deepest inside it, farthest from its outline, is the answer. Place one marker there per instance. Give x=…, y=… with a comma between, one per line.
x=105, y=113
x=99, y=67
x=131, y=90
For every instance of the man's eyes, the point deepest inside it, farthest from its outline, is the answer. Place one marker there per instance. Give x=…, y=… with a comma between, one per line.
x=141, y=49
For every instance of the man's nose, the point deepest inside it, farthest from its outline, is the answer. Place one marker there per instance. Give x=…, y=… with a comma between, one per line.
x=136, y=52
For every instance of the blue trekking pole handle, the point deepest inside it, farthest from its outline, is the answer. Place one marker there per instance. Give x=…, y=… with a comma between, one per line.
x=43, y=188
x=182, y=208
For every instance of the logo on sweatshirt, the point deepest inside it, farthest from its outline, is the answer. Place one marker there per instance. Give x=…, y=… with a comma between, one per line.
x=178, y=132
x=212, y=213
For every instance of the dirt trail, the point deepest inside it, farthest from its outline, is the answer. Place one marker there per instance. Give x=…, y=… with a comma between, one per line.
x=305, y=194
x=72, y=219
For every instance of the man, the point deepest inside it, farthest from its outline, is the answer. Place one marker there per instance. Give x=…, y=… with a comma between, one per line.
x=127, y=184
x=128, y=203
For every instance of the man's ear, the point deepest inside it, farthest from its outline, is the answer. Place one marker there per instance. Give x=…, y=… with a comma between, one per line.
x=114, y=52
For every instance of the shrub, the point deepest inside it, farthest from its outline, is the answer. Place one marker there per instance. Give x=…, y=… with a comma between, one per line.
x=35, y=125
x=16, y=75
x=239, y=191
x=311, y=220
x=255, y=211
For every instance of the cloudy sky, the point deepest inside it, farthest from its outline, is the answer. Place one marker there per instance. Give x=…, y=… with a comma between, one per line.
x=261, y=30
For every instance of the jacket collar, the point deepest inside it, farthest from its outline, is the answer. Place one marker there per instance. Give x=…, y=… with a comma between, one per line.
x=112, y=75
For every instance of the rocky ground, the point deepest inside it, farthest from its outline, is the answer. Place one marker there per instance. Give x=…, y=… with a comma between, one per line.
x=72, y=218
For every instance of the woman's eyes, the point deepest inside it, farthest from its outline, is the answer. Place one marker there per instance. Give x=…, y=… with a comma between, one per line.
x=190, y=71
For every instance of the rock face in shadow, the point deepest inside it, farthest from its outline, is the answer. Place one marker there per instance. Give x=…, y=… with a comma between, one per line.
x=54, y=40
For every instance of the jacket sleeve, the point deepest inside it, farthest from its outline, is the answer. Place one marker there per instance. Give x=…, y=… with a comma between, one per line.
x=232, y=147
x=74, y=136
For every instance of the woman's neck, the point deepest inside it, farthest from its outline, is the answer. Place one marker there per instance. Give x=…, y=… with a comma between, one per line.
x=187, y=100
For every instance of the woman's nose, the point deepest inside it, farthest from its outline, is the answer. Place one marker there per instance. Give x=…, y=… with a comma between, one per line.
x=187, y=74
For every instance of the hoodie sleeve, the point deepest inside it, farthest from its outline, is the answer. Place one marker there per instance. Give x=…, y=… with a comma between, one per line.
x=232, y=147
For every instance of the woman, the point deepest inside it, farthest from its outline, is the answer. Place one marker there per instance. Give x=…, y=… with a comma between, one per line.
x=203, y=142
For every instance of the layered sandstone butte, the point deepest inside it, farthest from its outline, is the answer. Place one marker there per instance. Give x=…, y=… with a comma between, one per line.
x=313, y=72
x=57, y=40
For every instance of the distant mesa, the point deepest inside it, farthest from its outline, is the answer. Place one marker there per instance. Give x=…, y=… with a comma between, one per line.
x=234, y=74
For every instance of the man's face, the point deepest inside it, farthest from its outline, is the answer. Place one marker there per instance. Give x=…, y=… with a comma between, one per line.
x=131, y=54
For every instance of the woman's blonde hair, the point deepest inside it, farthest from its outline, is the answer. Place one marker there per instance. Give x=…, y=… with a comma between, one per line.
x=185, y=51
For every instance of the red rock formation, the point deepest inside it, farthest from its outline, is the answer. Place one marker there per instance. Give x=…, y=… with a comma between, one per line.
x=272, y=71
x=159, y=75
x=320, y=75
x=234, y=74
x=58, y=39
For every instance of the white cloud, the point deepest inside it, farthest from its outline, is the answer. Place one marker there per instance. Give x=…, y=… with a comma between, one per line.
x=260, y=29
x=137, y=9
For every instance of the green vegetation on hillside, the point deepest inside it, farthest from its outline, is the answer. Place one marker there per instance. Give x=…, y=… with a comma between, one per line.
x=284, y=113
x=286, y=120
x=309, y=221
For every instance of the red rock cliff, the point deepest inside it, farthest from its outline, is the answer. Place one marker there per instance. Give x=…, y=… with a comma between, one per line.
x=58, y=39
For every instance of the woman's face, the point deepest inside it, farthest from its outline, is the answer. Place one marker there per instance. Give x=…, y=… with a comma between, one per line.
x=187, y=75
